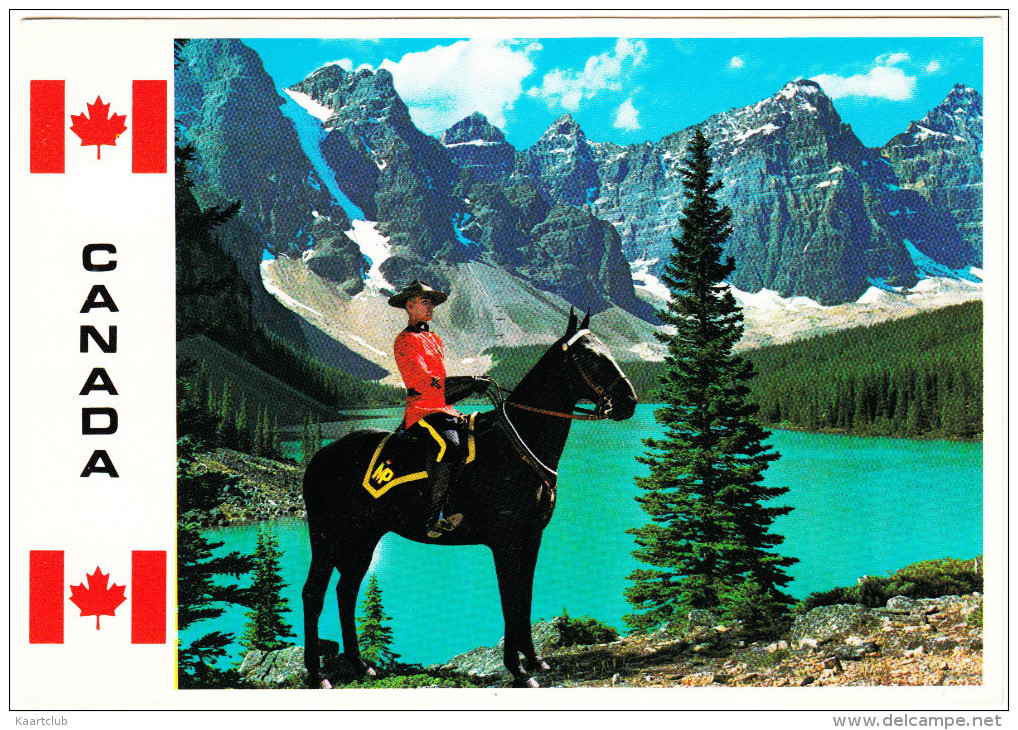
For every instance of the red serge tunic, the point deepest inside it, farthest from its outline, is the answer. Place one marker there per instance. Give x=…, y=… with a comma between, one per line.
x=420, y=358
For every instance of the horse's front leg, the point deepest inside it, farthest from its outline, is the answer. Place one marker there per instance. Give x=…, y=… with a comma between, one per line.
x=353, y=564
x=515, y=569
x=313, y=597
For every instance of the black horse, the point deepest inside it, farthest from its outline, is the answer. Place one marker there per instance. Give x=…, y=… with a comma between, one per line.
x=506, y=494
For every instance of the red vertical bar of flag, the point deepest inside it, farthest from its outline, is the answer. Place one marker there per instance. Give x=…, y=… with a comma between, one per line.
x=46, y=126
x=46, y=597
x=148, y=131
x=148, y=597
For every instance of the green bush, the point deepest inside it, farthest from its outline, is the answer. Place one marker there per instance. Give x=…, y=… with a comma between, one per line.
x=933, y=578
x=762, y=613
x=409, y=681
x=926, y=579
x=584, y=630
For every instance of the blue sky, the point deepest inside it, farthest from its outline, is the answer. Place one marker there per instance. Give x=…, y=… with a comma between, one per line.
x=631, y=90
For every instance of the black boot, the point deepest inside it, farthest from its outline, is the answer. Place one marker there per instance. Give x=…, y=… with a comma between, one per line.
x=439, y=521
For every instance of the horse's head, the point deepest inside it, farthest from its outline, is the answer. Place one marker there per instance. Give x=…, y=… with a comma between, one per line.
x=593, y=373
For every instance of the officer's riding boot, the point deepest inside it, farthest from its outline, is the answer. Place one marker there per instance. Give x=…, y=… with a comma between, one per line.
x=439, y=521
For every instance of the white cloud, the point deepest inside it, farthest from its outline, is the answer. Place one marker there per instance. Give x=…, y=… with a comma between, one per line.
x=884, y=81
x=603, y=72
x=932, y=67
x=446, y=83
x=736, y=62
x=627, y=116
x=892, y=59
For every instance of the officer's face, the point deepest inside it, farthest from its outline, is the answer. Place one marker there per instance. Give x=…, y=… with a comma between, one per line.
x=420, y=309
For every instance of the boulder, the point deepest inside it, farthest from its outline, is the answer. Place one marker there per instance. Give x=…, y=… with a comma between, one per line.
x=284, y=667
x=902, y=604
x=827, y=623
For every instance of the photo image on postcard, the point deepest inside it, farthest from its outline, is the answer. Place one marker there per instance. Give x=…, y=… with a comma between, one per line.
x=579, y=362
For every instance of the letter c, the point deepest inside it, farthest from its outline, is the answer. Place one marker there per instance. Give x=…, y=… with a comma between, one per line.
x=90, y=248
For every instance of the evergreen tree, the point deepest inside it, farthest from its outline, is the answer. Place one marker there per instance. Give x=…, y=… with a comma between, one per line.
x=306, y=449
x=266, y=629
x=375, y=635
x=201, y=589
x=708, y=542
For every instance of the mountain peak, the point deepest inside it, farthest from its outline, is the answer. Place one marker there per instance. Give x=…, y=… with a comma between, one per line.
x=803, y=86
x=474, y=128
x=565, y=126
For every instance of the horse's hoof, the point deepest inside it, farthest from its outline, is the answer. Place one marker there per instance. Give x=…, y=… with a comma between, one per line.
x=526, y=682
x=325, y=684
x=370, y=671
x=538, y=665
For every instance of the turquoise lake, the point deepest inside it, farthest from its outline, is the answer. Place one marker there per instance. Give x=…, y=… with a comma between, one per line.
x=862, y=506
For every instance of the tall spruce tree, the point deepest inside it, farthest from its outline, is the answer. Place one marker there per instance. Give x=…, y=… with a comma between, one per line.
x=202, y=588
x=375, y=635
x=266, y=629
x=708, y=542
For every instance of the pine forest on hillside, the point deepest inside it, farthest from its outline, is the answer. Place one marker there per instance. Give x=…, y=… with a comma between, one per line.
x=915, y=377
x=921, y=376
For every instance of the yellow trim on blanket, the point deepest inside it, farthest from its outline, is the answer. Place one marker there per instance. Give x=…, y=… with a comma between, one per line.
x=471, y=446
x=376, y=493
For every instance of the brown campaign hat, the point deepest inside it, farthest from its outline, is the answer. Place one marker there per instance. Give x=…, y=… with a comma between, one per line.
x=416, y=288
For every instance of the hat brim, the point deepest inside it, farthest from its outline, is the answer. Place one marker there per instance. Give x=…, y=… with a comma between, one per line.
x=399, y=300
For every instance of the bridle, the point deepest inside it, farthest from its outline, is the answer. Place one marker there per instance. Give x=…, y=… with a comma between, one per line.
x=603, y=406
x=602, y=410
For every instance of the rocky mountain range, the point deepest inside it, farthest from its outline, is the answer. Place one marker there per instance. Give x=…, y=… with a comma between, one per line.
x=334, y=176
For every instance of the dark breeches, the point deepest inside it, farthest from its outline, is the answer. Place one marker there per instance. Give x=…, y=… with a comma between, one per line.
x=441, y=434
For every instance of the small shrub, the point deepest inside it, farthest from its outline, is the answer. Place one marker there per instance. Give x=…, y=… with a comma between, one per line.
x=410, y=681
x=934, y=578
x=765, y=660
x=976, y=617
x=762, y=613
x=925, y=579
x=584, y=630
x=826, y=598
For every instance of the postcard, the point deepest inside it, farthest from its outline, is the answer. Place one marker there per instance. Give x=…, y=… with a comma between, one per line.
x=375, y=363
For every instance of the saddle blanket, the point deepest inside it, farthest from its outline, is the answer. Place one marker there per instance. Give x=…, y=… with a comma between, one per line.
x=399, y=459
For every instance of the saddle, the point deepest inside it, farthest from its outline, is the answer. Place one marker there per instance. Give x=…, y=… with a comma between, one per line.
x=399, y=458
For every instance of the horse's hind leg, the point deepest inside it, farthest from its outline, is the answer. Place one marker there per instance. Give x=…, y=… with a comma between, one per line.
x=352, y=561
x=314, y=598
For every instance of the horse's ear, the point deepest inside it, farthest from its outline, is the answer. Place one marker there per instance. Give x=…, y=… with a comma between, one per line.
x=586, y=321
x=571, y=328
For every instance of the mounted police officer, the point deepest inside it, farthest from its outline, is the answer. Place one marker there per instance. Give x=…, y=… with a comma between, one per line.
x=420, y=357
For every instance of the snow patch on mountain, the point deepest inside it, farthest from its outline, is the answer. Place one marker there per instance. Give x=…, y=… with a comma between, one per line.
x=306, y=115
x=643, y=279
x=376, y=248
x=768, y=299
x=312, y=107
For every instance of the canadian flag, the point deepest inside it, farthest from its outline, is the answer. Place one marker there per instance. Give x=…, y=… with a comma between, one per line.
x=50, y=594
x=50, y=123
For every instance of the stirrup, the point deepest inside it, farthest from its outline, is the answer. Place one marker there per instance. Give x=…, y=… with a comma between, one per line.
x=444, y=525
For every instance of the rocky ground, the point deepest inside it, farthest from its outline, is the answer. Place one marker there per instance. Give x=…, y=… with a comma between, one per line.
x=909, y=642
x=267, y=489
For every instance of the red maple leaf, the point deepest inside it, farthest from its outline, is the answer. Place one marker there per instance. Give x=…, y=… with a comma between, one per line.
x=100, y=127
x=97, y=600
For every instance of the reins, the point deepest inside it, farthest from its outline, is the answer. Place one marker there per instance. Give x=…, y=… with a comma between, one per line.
x=500, y=399
x=579, y=414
